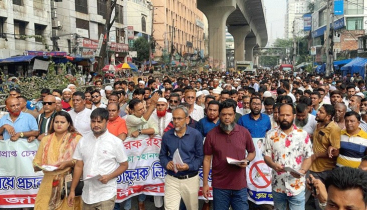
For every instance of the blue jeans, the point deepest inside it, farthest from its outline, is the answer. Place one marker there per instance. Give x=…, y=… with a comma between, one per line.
x=296, y=202
x=237, y=199
x=127, y=205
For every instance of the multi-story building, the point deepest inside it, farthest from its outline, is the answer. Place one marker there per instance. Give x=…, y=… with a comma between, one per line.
x=80, y=24
x=293, y=18
x=24, y=25
x=71, y=26
x=345, y=28
x=179, y=26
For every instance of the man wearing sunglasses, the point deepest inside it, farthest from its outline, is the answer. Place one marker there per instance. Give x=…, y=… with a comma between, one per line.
x=45, y=119
x=174, y=101
x=196, y=112
x=96, y=100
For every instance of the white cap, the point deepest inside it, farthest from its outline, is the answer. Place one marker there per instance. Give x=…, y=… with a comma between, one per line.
x=357, y=89
x=109, y=87
x=199, y=93
x=360, y=94
x=217, y=91
x=141, y=82
x=162, y=100
x=298, y=78
x=205, y=92
x=267, y=94
x=58, y=99
x=66, y=89
x=71, y=85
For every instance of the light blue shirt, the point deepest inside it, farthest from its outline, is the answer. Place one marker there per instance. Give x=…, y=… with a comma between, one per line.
x=24, y=123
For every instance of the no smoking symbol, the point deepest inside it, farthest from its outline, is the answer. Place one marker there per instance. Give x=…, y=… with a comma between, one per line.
x=256, y=167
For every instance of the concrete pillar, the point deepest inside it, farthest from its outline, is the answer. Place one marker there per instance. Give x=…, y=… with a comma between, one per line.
x=250, y=43
x=239, y=33
x=217, y=13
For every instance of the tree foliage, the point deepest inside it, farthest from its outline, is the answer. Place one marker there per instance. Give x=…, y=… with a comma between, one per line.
x=311, y=7
x=286, y=43
x=56, y=78
x=141, y=45
x=269, y=61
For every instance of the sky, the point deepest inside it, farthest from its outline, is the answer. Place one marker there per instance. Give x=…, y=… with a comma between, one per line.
x=275, y=18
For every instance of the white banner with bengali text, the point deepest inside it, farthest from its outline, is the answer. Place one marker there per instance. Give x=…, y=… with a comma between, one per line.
x=145, y=173
x=19, y=183
x=258, y=175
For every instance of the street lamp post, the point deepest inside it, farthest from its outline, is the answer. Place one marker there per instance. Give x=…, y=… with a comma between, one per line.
x=151, y=7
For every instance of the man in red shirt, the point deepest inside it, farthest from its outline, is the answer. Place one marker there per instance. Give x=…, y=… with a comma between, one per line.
x=228, y=180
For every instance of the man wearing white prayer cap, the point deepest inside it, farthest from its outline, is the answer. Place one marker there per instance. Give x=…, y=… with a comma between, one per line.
x=200, y=99
x=141, y=84
x=162, y=118
x=108, y=91
x=216, y=93
x=66, y=99
x=58, y=104
x=72, y=87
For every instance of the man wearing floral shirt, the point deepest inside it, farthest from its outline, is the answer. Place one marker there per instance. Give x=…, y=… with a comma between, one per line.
x=288, y=147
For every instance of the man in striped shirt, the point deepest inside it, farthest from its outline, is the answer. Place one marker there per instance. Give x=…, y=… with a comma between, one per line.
x=353, y=142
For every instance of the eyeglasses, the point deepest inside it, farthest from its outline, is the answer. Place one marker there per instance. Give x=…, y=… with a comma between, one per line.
x=95, y=96
x=48, y=103
x=173, y=101
x=190, y=97
x=256, y=104
x=177, y=119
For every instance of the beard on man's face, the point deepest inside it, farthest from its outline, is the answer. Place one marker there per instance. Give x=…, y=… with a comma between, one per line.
x=161, y=113
x=301, y=123
x=285, y=125
x=228, y=127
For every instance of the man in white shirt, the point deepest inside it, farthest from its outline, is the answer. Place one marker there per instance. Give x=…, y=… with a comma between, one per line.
x=304, y=120
x=161, y=116
x=196, y=111
x=80, y=114
x=98, y=153
x=96, y=100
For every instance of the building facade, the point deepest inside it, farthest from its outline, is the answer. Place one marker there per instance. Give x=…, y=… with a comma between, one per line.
x=345, y=30
x=71, y=26
x=81, y=23
x=178, y=29
x=24, y=25
x=293, y=18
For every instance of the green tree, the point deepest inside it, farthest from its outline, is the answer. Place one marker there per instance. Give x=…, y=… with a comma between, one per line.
x=311, y=7
x=141, y=45
x=286, y=43
x=56, y=78
x=269, y=60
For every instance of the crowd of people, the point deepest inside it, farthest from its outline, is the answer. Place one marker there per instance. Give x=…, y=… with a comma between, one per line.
x=313, y=128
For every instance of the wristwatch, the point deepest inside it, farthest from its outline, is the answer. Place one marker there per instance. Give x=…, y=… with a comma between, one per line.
x=139, y=130
x=248, y=162
x=21, y=135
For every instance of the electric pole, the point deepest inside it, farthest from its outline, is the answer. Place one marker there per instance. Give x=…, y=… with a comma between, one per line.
x=328, y=39
x=294, y=43
x=172, y=50
x=151, y=38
